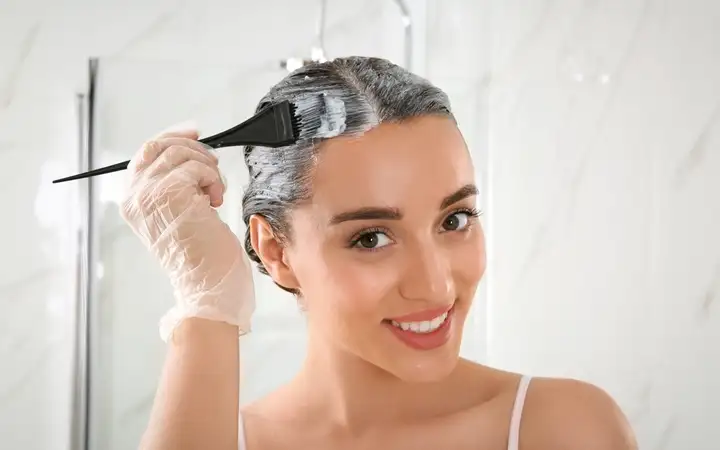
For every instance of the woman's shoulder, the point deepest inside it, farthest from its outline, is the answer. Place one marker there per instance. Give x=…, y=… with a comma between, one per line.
x=557, y=413
x=564, y=413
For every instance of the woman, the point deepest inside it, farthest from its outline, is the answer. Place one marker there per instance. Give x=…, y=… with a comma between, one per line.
x=376, y=233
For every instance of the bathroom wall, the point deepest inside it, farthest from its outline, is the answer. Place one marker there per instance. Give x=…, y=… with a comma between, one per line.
x=603, y=216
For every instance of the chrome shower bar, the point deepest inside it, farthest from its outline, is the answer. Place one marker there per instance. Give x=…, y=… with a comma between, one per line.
x=408, y=28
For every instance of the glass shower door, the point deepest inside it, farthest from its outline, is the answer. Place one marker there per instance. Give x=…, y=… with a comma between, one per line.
x=129, y=292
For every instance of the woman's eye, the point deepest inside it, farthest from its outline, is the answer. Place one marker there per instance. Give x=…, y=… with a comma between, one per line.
x=372, y=240
x=456, y=221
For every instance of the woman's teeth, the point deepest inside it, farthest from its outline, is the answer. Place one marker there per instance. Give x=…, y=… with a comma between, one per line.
x=426, y=326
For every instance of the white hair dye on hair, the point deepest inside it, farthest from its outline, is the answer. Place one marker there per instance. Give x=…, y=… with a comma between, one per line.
x=342, y=97
x=320, y=116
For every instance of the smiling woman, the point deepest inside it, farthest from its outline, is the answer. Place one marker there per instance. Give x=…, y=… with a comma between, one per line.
x=373, y=243
x=373, y=225
x=375, y=230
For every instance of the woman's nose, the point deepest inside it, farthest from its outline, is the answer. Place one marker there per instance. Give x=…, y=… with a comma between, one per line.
x=428, y=277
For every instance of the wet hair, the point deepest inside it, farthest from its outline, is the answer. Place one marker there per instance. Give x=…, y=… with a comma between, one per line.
x=342, y=97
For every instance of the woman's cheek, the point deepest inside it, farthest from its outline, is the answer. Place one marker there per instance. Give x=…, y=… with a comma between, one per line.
x=365, y=284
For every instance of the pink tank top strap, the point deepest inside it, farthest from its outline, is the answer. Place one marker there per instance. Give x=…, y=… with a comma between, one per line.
x=514, y=436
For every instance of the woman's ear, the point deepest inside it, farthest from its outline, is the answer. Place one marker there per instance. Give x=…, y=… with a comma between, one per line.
x=271, y=252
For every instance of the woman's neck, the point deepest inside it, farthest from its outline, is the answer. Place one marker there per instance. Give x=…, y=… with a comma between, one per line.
x=357, y=396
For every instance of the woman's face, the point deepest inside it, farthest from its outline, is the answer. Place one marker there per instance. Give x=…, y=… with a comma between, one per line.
x=389, y=252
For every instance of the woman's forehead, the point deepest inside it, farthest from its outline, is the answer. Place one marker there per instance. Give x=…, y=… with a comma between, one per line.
x=393, y=163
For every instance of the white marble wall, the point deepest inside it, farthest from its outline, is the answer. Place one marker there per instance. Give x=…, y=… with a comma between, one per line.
x=605, y=204
x=37, y=231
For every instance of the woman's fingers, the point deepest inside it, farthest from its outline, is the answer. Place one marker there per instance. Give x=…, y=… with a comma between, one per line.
x=167, y=156
x=152, y=149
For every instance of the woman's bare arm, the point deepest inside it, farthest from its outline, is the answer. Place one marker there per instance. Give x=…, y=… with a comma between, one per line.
x=170, y=202
x=196, y=405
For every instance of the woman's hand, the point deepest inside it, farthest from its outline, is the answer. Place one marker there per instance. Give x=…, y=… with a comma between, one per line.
x=174, y=189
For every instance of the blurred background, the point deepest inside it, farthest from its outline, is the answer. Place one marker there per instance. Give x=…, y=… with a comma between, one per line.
x=595, y=128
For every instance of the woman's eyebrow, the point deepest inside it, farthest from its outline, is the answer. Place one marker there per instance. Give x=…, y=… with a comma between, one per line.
x=387, y=213
x=464, y=192
x=368, y=213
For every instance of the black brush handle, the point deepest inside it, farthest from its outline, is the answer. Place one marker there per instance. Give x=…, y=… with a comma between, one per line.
x=101, y=171
x=117, y=167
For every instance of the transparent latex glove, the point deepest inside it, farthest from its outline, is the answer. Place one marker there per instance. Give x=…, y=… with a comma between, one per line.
x=175, y=186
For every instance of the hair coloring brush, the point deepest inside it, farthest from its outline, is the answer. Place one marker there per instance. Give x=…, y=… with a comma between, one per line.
x=274, y=126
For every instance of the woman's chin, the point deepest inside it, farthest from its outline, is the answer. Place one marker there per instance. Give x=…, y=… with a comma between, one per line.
x=426, y=369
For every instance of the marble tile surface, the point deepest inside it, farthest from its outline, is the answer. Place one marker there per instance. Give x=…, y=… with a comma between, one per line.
x=604, y=162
